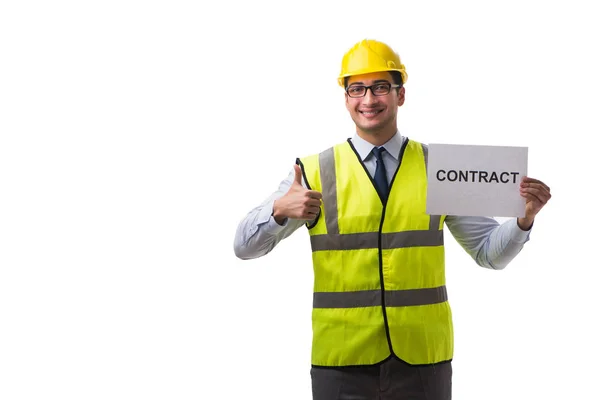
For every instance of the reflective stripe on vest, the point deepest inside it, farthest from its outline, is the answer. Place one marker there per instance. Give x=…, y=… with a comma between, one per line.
x=372, y=298
x=370, y=240
x=383, y=264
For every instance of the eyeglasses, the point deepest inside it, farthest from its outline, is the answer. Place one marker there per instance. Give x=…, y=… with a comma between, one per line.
x=378, y=89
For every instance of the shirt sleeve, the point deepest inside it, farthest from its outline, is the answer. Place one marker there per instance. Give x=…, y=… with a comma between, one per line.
x=258, y=232
x=489, y=243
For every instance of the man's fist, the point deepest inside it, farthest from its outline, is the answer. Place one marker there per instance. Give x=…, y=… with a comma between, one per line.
x=298, y=202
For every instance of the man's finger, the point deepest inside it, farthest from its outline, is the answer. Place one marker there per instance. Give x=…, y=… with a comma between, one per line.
x=311, y=213
x=297, y=174
x=533, y=185
x=313, y=194
x=528, y=180
x=314, y=210
x=535, y=194
x=313, y=202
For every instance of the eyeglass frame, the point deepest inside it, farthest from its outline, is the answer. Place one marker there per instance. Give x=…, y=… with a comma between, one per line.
x=367, y=88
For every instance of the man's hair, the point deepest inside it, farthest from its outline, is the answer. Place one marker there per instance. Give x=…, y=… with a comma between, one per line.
x=396, y=77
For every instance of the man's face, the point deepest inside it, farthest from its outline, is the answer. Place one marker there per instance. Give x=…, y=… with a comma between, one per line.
x=374, y=114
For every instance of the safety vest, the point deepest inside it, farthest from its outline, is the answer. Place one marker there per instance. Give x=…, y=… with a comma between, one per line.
x=379, y=272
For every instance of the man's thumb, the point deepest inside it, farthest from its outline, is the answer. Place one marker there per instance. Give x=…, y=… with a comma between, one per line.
x=298, y=174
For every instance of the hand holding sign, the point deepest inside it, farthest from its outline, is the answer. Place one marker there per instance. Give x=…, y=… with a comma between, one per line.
x=537, y=194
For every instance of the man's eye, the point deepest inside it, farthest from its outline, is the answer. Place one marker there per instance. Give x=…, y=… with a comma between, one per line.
x=355, y=89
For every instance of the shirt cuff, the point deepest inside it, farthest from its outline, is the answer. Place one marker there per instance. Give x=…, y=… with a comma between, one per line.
x=517, y=234
x=266, y=217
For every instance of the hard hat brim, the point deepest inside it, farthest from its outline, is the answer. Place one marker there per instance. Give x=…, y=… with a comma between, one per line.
x=369, y=71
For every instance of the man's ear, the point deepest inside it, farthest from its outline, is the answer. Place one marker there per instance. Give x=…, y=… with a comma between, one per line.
x=347, y=103
x=401, y=96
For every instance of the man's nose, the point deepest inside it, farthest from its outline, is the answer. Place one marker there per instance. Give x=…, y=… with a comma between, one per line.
x=369, y=97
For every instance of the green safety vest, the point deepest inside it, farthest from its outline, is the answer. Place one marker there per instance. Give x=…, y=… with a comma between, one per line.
x=379, y=272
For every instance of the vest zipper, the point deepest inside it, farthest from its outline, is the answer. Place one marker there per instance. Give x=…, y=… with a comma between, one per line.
x=381, y=280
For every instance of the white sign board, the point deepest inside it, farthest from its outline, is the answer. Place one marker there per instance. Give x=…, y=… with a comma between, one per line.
x=475, y=180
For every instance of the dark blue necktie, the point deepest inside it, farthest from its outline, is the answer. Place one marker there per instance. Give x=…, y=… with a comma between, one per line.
x=380, y=175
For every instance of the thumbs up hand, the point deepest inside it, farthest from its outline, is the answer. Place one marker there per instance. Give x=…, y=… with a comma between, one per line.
x=298, y=202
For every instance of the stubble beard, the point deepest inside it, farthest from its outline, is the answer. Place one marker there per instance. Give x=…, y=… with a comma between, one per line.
x=379, y=129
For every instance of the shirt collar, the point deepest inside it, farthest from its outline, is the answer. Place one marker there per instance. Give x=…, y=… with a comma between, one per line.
x=392, y=146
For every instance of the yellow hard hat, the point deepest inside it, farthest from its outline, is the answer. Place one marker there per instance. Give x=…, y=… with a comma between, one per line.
x=369, y=56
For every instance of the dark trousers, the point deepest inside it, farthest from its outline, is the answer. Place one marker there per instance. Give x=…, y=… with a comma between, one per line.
x=391, y=380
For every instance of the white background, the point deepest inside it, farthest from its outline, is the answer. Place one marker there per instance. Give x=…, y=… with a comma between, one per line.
x=136, y=134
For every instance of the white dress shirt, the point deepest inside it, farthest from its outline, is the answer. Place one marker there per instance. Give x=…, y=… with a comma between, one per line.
x=489, y=243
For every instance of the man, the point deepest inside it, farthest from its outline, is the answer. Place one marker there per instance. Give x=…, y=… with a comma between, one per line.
x=382, y=325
